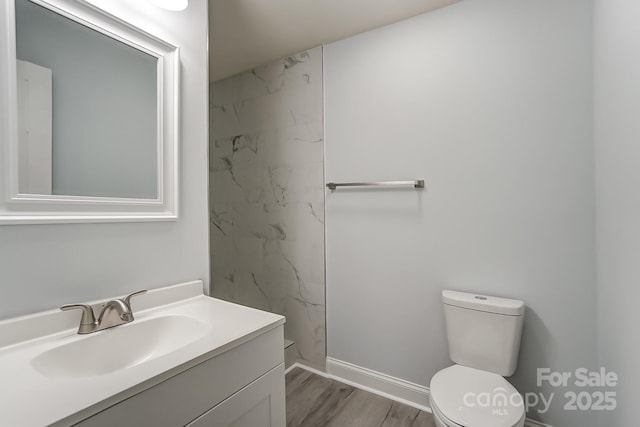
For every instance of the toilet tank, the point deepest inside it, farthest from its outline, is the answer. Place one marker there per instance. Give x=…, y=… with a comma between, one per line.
x=483, y=332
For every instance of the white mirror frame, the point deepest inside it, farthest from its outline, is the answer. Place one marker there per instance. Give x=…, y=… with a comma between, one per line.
x=16, y=208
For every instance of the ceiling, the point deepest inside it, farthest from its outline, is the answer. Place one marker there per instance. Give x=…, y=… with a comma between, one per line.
x=247, y=33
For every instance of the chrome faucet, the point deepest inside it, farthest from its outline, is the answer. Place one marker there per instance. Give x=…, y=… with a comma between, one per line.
x=115, y=312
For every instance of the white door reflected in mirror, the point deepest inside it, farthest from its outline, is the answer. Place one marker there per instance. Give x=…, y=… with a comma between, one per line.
x=34, y=128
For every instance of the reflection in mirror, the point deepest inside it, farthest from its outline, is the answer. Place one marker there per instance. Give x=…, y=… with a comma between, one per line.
x=87, y=110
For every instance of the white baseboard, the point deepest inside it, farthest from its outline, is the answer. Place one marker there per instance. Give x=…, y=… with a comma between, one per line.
x=306, y=368
x=384, y=385
x=393, y=388
x=292, y=367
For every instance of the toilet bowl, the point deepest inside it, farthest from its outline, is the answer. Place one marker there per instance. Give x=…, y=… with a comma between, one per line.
x=483, y=335
x=468, y=397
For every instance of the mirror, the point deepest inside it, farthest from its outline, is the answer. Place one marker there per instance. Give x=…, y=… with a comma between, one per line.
x=102, y=139
x=90, y=114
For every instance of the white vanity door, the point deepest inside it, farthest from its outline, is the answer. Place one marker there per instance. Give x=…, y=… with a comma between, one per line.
x=259, y=404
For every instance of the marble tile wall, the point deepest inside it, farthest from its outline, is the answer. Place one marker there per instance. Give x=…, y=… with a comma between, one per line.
x=267, y=195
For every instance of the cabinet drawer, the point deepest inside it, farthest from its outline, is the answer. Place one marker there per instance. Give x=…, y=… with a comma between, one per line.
x=260, y=404
x=182, y=398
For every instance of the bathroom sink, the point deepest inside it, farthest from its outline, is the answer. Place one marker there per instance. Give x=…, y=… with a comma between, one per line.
x=119, y=348
x=71, y=377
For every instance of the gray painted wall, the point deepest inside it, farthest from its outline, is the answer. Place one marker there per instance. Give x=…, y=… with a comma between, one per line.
x=617, y=132
x=104, y=103
x=490, y=102
x=44, y=266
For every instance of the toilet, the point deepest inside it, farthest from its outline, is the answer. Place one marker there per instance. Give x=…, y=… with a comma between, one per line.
x=483, y=335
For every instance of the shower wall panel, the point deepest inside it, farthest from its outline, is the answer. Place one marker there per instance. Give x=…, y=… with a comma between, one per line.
x=267, y=195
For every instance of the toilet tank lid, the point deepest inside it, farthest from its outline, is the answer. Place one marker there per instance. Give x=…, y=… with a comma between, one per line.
x=489, y=304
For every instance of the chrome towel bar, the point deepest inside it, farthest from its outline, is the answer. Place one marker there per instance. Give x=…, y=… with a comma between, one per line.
x=416, y=184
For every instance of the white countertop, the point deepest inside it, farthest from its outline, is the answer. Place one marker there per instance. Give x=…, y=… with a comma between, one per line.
x=29, y=398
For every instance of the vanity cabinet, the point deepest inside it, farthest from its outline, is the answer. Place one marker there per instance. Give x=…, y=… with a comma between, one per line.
x=257, y=405
x=241, y=387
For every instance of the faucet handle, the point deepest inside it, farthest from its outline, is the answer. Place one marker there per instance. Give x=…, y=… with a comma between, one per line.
x=88, y=318
x=127, y=299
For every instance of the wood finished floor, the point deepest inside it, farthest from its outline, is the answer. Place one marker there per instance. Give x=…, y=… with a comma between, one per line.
x=315, y=401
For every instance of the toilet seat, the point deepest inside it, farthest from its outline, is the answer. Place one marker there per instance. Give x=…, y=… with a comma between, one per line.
x=468, y=397
x=439, y=417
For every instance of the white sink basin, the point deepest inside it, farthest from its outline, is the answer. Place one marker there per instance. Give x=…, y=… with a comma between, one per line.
x=119, y=348
x=65, y=377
